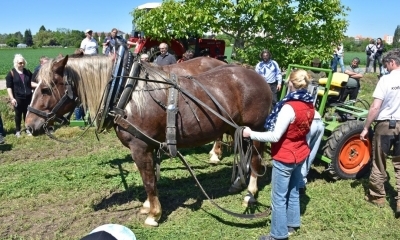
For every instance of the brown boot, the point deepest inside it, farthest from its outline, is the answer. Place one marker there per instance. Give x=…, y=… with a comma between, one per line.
x=378, y=201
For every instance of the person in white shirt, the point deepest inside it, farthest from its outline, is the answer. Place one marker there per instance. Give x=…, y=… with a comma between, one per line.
x=370, y=50
x=340, y=56
x=385, y=112
x=89, y=45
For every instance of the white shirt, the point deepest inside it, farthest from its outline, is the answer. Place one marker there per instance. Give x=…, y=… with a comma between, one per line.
x=388, y=90
x=89, y=46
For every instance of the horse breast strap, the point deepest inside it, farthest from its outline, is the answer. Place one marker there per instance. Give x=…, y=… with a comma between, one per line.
x=172, y=110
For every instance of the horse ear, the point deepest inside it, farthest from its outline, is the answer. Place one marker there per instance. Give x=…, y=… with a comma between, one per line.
x=58, y=66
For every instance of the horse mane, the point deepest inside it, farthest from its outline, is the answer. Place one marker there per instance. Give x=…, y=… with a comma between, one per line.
x=90, y=76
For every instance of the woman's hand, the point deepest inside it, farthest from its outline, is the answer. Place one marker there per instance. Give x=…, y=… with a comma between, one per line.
x=246, y=132
x=14, y=102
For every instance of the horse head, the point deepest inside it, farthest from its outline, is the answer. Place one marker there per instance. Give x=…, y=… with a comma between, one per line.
x=53, y=97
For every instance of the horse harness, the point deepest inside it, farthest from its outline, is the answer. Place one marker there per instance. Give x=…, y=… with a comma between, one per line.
x=69, y=96
x=170, y=145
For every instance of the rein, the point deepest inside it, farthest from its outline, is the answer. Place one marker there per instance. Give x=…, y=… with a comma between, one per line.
x=242, y=167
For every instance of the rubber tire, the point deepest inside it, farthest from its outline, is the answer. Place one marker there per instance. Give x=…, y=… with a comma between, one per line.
x=350, y=156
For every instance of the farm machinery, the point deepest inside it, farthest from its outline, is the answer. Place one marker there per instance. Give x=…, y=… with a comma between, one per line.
x=347, y=156
x=200, y=46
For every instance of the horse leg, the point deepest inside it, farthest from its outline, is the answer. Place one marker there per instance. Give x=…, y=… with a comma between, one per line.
x=144, y=162
x=145, y=207
x=216, y=151
x=252, y=188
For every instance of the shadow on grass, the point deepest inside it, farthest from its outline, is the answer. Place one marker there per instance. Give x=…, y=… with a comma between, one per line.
x=176, y=192
x=391, y=192
x=5, y=147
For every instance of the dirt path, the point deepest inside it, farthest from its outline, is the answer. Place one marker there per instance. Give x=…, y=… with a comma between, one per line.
x=2, y=84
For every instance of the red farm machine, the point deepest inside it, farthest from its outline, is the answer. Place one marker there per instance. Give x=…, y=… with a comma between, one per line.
x=201, y=46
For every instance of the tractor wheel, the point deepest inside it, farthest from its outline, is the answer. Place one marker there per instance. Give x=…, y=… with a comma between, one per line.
x=350, y=156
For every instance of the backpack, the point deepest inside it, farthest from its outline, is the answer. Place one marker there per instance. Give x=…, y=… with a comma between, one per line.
x=369, y=51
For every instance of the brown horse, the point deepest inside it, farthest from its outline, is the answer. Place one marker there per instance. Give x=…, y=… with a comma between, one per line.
x=192, y=67
x=243, y=93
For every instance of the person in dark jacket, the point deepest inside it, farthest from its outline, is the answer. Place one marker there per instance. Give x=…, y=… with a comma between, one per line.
x=19, y=88
x=380, y=48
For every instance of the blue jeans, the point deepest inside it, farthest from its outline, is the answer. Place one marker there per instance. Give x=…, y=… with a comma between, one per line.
x=334, y=63
x=341, y=63
x=79, y=113
x=285, y=198
x=314, y=138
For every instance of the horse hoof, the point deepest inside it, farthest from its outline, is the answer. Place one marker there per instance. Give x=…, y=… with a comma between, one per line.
x=249, y=200
x=144, y=210
x=214, y=161
x=151, y=222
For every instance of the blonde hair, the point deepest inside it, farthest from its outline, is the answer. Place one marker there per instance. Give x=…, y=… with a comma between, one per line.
x=300, y=79
x=18, y=58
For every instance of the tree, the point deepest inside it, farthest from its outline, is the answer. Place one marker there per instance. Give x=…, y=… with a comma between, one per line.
x=42, y=28
x=12, y=42
x=28, y=40
x=294, y=31
x=396, y=37
x=19, y=37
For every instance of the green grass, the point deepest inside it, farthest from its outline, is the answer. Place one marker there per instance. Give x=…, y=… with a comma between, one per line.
x=52, y=190
x=349, y=56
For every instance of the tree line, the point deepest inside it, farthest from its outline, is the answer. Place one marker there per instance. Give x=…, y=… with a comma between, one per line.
x=61, y=37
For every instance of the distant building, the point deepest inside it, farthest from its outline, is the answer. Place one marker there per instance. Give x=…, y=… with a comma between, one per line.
x=22, y=45
x=388, y=39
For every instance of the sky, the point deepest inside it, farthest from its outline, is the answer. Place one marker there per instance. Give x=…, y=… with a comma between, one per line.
x=369, y=18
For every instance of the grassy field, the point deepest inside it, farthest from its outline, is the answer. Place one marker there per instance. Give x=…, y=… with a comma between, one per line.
x=31, y=55
x=52, y=190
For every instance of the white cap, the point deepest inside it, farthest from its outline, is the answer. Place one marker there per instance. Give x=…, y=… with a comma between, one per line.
x=88, y=30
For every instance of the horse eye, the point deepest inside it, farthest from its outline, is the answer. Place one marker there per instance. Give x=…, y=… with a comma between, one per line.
x=46, y=91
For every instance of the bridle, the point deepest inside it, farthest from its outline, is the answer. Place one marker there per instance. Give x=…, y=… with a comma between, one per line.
x=52, y=115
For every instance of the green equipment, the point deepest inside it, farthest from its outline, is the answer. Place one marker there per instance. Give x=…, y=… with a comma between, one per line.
x=347, y=156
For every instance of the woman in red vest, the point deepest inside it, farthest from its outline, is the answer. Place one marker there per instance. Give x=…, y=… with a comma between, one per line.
x=287, y=127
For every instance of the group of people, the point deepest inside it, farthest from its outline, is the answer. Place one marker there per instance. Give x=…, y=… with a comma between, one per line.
x=294, y=124
x=165, y=58
x=374, y=51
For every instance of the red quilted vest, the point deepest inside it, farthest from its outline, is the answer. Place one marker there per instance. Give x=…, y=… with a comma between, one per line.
x=293, y=147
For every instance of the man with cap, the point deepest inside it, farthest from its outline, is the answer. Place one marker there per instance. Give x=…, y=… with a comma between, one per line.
x=89, y=45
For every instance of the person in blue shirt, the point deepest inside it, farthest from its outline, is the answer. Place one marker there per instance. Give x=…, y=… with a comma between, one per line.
x=269, y=69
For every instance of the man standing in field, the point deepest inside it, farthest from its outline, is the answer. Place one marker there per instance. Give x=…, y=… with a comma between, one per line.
x=89, y=45
x=164, y=58
x=270, y=71
x=385, y=111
